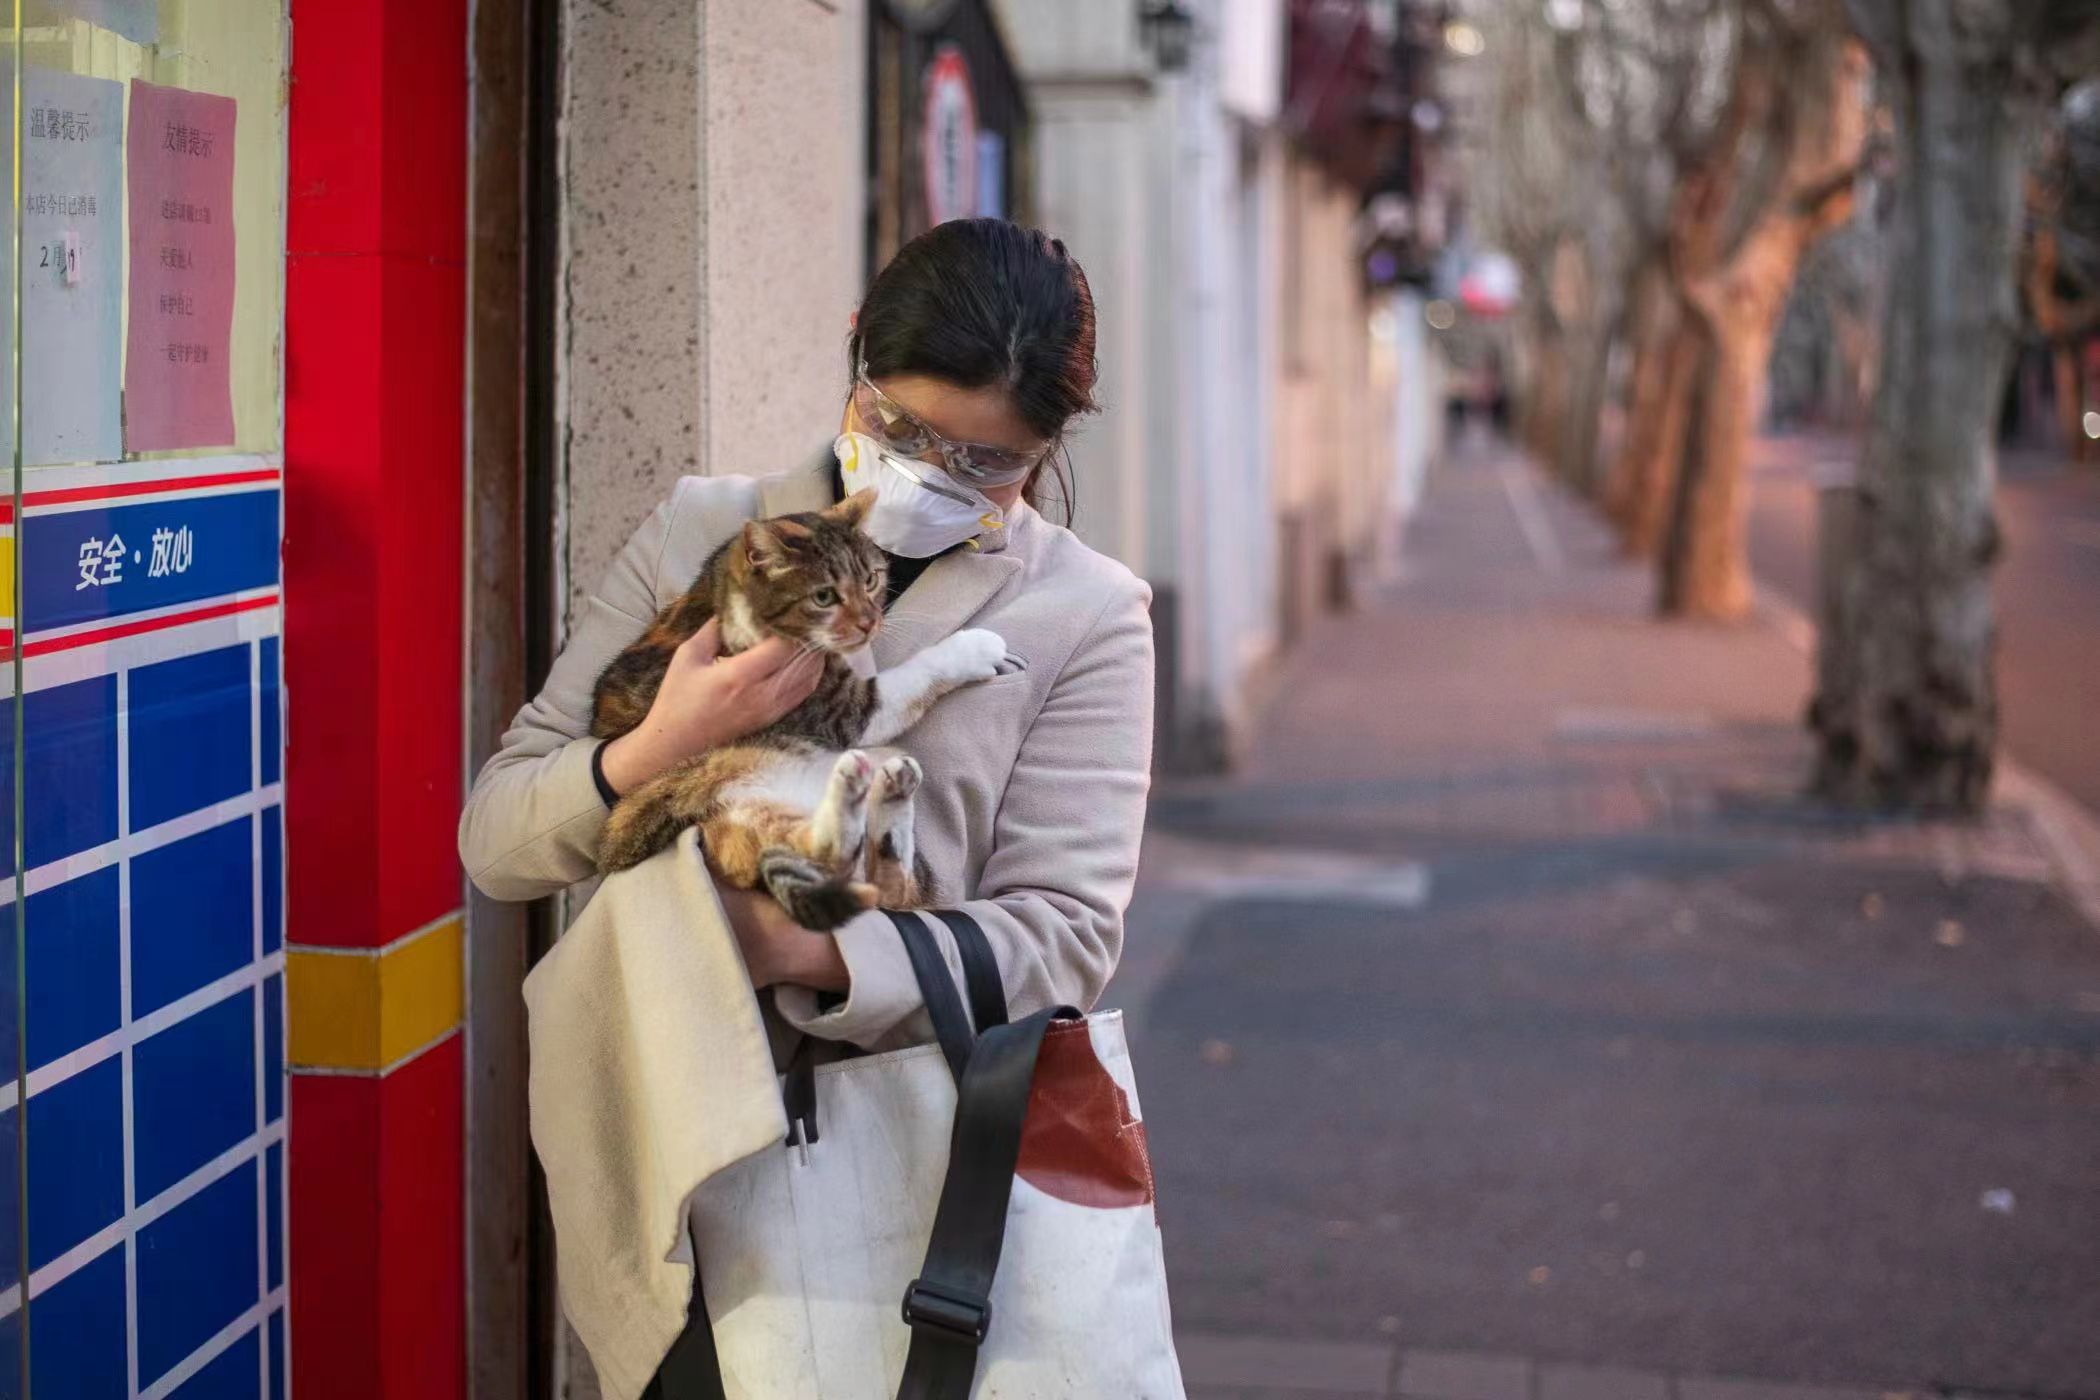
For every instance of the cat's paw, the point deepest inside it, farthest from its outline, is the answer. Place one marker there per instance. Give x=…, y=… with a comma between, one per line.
x=898, y=779
x=975, y=655
x=852, y=776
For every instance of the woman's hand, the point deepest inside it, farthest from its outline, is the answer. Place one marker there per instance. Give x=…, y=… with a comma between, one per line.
x=776, y=948
x=707, y=700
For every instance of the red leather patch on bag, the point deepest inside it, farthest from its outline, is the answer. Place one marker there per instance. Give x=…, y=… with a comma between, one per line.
x=1080, y=1142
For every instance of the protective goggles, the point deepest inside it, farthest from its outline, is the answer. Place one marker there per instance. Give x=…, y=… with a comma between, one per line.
x=898, y=429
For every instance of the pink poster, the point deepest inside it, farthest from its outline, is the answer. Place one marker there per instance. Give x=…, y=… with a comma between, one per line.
x=178, y=385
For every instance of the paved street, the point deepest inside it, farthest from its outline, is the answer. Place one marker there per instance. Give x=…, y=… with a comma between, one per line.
x=1509, y=1017
x=2048, y=592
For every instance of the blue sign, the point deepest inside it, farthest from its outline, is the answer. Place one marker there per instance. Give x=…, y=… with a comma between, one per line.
x=110, y=560
x=991, y=175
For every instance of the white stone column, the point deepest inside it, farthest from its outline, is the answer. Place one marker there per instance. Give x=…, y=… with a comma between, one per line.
x=714, y=199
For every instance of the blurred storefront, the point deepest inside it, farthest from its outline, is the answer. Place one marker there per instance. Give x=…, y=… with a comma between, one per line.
x=948, y=134
x=1209, y=163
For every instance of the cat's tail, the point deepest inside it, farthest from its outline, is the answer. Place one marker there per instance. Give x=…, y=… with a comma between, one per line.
x=814, y=897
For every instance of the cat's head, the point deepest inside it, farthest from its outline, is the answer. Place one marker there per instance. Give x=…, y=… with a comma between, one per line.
x=812, y=578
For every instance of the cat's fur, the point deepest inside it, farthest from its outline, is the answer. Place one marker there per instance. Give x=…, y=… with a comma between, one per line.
x=797, y=809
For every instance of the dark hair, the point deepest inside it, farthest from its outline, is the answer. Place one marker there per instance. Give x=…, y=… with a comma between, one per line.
x=979, y=302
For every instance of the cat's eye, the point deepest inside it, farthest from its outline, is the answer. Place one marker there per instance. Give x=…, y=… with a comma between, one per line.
x=825, y=597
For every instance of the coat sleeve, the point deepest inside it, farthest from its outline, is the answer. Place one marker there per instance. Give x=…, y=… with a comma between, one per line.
x=1064, y=859
x=532, y=821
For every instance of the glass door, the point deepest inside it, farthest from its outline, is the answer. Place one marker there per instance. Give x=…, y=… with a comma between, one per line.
x=145, y=1120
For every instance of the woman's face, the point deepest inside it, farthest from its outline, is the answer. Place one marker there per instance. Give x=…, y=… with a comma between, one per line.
x=985, y=415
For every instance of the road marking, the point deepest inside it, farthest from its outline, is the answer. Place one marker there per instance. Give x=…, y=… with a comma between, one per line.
x=1531, y=517
x=1215, y=871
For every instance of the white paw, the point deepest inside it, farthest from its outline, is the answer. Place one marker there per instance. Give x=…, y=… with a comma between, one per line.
x=899, y=778
x=852, y=775
x=975, y=655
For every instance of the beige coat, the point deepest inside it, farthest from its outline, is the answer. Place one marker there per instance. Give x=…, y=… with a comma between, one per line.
x=1033, y=805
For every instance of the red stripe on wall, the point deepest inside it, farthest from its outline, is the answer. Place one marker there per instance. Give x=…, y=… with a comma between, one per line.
x=120, y=490
x=45, y=645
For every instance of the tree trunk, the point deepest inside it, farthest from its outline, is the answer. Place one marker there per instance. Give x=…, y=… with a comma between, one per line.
x=2070, y=403
x=1650, y=323
x=1655, y=448
x=1590, y=380
x=1706, y=566
x=1910, y=717
x=1546, y=401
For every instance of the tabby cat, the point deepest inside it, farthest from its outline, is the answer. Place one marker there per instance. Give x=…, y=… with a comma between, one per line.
x=798, y=808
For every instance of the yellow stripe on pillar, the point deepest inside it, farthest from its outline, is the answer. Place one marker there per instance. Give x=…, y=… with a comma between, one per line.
x=366, y=1010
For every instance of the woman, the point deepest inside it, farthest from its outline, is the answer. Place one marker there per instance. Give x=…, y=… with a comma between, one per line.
x=972, y=353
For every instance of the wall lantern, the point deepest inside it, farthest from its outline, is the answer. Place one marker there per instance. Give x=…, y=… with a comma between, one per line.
x=1170, y=31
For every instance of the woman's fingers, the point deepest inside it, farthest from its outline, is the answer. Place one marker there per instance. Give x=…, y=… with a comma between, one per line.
x=706, y=643
x=765, y=660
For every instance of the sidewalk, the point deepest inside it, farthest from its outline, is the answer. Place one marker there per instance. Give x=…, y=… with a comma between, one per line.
x=1510, y=1027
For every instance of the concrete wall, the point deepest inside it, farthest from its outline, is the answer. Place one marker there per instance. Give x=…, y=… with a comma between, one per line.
x=714, y=202
x=714, y=198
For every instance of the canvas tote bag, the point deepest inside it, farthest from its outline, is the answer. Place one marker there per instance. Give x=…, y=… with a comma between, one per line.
x=967, y=1219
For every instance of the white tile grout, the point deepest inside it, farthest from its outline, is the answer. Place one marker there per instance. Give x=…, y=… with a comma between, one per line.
x=144, y=1028
x=143, y=1216
x=256, y=1318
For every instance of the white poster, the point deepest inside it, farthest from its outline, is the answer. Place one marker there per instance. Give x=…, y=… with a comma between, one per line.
x=73, y=267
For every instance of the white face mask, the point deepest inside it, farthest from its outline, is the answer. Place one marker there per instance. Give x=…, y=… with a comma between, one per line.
x=919, y=509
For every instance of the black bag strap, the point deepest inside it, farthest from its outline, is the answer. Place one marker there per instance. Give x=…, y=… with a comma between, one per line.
x=951, y=1024
x=948, y=1306
x=980, y=969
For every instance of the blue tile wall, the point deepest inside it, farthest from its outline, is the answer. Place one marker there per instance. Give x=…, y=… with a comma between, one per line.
x=273, y=1047
x=76, y=1161
x=74, y=980
x=192, y=914
x=192, y=743
x=268, y=714
x=273, y=878
x=234, y=1374
x=197, y=1272
x=7, y=785
x=11, y=1183
x=275, y=1240
x=183, y=726
x=280, y=1359
x=69, y=768
x=11, y=1356
x=77, y=1344
x=193, y=1093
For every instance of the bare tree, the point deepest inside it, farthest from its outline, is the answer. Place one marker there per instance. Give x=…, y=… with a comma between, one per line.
x=1531, y=197
x=1781, y=175
x=2060, y=266
x=1906, y=711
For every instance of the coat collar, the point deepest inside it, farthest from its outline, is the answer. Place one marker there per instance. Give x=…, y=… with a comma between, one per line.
x=954, y=588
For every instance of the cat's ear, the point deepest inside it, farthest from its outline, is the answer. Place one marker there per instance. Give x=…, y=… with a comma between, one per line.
x=854, y=509
x=765, y=543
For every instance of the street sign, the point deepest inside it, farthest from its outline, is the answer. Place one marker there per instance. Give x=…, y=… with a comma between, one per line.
x=948, y=137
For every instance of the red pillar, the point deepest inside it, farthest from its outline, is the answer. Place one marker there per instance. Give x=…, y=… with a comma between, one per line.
x=375, y=334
